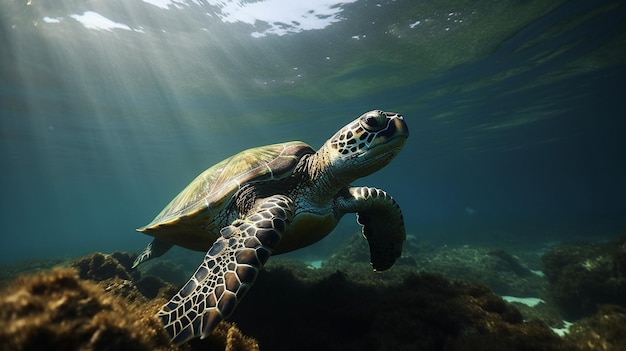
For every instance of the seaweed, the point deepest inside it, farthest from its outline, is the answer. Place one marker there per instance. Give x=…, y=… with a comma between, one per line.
x=96, y=305
x=55, y=310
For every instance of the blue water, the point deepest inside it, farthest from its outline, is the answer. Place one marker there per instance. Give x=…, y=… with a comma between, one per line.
x=516, y=111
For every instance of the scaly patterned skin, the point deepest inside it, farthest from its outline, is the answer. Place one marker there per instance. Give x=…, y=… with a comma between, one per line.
x=287, y=200
x=229, y=268
x=383, y=226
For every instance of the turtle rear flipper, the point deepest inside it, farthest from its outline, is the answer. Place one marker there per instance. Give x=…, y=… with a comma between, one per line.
x=229, y=269
x=383, y=225
x=156, y=248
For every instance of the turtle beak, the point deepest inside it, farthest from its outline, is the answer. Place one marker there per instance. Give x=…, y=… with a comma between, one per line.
x=389, y=141
x=397, y=125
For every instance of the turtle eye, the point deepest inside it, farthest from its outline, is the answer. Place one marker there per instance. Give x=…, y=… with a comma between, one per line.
x=373, y=121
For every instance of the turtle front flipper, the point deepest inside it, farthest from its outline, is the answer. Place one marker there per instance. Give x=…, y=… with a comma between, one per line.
x=156, y=248
x=229, y=269
x=383, y=225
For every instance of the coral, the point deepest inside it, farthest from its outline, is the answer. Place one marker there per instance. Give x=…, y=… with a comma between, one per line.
x=583, y=276
x=604, y=331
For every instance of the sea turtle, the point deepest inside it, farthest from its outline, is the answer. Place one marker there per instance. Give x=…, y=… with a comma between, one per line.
x=269, y=200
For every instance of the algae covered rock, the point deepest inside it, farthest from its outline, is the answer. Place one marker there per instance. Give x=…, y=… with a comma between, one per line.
x=55, y=310
x=11, y=271
x=496, y=268
x=503, y=272
x=354, y=257
x=99, y=266
x=167, y=270
x=583, y=276
x=114, y=272
x=97, y=304
x=604, y=331
x=423, y=312
x=226, y=336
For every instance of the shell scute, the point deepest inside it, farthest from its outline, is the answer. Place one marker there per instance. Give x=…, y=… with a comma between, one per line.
x=211, y=191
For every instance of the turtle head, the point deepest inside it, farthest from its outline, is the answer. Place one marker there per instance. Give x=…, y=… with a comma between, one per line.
x=367, y=144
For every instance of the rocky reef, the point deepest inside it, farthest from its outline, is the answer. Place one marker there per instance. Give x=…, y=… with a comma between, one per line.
x=603, y=331
x=424, y=312
x=585, y=275
x=501, y=271
x=9, y=272
x=98, y=303
x=56, y=310
x=506, y=274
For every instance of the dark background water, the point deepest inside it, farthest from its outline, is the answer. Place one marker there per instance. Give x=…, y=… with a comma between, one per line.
x=516, y=111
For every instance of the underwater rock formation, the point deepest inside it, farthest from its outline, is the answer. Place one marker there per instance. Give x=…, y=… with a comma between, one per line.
x=92, y=306
x=496, y=268
x=353, y=257
x=100, y=304
x=9, y=272
x=98, y=266
x=424, y=312
x=543, y=311
x=604, y=331
x=113, y=271
x=167, y=270
x=55, y=310
x=226, y=336
x=583, y=276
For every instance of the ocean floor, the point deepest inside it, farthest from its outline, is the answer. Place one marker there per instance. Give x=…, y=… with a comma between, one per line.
x=563, y=296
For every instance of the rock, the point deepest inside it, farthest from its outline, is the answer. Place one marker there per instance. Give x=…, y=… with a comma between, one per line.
x=149, y=286
x=225, y=337
x=423, y=312
x=55, y=310
x=496, y=268
x=604, y=331
x=168, y=270
x=583, y=276
x=125, y=259
x=98, y=267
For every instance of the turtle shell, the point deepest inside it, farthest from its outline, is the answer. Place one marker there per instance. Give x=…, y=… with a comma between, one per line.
x=204, y=199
